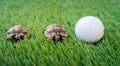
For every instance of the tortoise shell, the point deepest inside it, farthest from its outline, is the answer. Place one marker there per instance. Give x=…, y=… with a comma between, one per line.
x=55, y=32
x=17, y=32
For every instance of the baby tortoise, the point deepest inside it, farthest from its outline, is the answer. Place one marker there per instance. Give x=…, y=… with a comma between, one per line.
x=55, y=32
x=17, y=32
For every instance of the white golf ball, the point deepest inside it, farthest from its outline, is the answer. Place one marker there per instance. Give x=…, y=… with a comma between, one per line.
x=89, y=29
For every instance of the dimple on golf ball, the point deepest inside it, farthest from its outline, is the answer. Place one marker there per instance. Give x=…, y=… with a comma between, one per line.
x=89, y=29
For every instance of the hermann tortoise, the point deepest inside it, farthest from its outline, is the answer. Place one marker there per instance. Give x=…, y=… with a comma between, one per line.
x=55, y=32
x=17, y=32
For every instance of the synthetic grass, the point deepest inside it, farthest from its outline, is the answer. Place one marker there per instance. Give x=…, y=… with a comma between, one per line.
x=36, y=15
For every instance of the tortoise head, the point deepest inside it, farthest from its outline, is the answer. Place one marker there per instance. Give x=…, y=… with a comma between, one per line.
x=56, y=37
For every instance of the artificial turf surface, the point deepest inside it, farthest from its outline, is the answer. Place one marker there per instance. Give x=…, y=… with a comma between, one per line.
x=36, y=15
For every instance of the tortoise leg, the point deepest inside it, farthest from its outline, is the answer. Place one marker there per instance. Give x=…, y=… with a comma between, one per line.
x=49, y=38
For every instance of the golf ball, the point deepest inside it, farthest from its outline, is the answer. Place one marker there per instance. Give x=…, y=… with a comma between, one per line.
x=89, y=29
